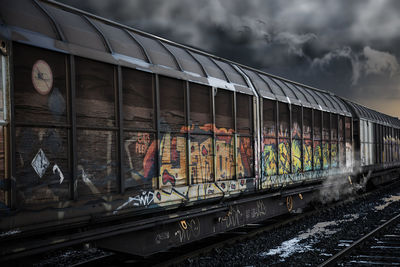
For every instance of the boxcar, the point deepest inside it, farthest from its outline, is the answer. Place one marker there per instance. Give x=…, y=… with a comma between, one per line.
x=127, y=137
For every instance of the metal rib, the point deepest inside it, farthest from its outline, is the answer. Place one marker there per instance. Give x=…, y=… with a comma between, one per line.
x=54, y=23
x=219, y=67
x=105, y=40
x=241, y=74
x=140, y=45
x=172, y=55
x=198, y=62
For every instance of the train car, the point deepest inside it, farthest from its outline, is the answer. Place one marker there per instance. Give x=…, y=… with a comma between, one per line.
x=376, y=145
x=119, y=137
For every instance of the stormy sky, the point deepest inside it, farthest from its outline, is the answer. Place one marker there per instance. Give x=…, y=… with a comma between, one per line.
x=351, y=48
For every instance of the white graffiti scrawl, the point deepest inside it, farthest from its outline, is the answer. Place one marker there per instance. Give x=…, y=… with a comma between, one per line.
x=58, y=170
x=188, y=230
x=143, y=199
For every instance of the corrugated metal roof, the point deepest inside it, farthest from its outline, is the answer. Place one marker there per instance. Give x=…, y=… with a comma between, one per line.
x=49, y=24
x=365, y=113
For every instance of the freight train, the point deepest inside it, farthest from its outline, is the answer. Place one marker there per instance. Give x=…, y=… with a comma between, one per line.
x=114, y=136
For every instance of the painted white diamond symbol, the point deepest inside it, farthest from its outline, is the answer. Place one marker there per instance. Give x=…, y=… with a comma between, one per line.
x=40, y=163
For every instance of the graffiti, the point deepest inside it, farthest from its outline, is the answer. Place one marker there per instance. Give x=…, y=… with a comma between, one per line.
x=40, y=163
x=232, y=217
x=172, y=194
x=261, y=209
x=85, y=177
x=349, y=155
x=173, y=160
x=188, y=230
x=284, y=156
x=162, y=236
x=334, y=158
x=307, y=151
x=317, y=155
x=325, y=155
x=225, y=158
x=142, y=143
x=140, y=149
x=296, y=155
x=269, y=157
x=296, y=131
x=144, y=199
x=245, y=157
x=57, y=169
x=256, y=212
x=202, y=162
x=168, y=178
x=282, y=180
x=141, y=157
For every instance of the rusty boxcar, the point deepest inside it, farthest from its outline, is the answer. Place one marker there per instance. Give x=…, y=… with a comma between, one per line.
x=113, y=135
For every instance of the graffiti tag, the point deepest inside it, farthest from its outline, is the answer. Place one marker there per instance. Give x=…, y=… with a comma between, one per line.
x=162, y=236
x=144, y=199
x=188, y=230
x=232, y=218
x=57, y=169
x=142, y=143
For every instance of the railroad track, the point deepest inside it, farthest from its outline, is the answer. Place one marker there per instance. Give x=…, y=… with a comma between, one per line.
x=176, y=256
x=379, y=247
x=179, y=255
x=182, y=255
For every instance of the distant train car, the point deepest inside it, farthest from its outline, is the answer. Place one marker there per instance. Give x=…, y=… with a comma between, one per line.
x=376, y=144
x=120, y=136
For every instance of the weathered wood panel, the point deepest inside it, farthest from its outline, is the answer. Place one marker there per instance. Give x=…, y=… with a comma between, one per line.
x=42, y=165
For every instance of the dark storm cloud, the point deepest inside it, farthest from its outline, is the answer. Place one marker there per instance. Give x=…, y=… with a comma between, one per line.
x=348, y=47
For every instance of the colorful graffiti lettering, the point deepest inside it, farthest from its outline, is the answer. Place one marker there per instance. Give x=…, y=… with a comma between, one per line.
x=317, y=155
x=269, y=157
x=225, y=158
x=202, y=162
x=334, y=158
x=284, y=156
x=296, y=155
x=173, y=160
x=245, y=154
x=296, y=131
x=307, y=151
x=141, y=157
x=142, y=143
x=325, y=153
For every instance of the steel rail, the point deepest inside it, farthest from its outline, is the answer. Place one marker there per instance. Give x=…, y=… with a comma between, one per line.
x=345, y=252
x=240, y=234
